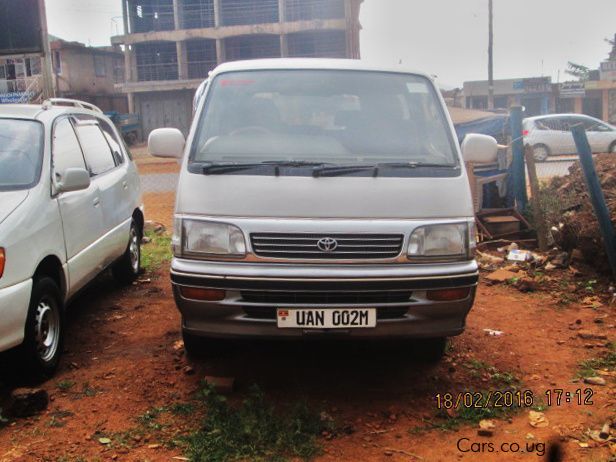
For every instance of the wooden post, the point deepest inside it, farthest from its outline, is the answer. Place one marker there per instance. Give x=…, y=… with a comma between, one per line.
x=538, y=217
x=596, y=194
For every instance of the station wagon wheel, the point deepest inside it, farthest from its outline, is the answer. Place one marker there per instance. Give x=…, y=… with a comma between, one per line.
x=127, y=268
x=613, y=148
x=47, y=328
x=541, y=152
x=39, y=354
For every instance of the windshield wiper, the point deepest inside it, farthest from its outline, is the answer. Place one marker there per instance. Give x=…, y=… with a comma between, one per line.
x=337, y=170
x=416, y=165
x=221, y=168
x=215, y=169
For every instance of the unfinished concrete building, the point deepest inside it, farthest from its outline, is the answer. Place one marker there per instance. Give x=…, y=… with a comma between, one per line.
x=171, y=45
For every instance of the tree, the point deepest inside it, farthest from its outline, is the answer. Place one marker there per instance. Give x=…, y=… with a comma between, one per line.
x=581, y=72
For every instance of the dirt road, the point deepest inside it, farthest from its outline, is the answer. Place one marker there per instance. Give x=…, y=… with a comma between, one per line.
x=123, y=371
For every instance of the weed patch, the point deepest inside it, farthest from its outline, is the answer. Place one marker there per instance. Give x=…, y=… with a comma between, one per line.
x=607, y=362
x=254, y=431
x=156, y=252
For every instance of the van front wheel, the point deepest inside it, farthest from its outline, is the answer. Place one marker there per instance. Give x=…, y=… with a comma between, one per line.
x=431, y=350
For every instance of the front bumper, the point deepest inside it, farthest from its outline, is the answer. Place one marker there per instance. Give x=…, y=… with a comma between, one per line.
x=254, y=291
x=14, y=303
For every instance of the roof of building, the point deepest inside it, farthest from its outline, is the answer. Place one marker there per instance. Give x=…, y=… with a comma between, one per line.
x=310, y=63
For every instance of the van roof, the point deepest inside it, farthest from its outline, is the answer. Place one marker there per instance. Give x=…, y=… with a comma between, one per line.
x=311, y=64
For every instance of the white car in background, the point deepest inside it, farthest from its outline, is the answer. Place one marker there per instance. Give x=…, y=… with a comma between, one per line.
x=70, y=207
x=550, y=135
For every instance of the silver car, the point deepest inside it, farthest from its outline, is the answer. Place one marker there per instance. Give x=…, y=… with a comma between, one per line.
x=322, y=198
x=550, y=135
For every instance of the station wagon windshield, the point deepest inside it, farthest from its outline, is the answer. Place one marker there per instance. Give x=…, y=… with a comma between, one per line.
x=21, y=145
x=324, y=118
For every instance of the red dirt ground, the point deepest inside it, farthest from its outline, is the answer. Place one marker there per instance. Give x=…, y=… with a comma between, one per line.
x=121, y=359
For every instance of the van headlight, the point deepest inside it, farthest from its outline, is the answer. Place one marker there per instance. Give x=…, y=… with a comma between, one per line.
x=447, y=242
x=207, y=238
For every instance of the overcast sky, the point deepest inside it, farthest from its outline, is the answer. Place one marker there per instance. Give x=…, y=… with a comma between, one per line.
x=448, y=38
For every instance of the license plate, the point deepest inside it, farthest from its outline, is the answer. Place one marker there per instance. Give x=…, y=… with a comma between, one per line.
x=328, y=318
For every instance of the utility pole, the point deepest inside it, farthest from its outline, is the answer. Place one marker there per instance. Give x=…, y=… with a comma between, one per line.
x=48, y=84
x=491, y=57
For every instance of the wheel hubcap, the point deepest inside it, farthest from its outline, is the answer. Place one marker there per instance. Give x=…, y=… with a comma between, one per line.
x=134, y=250
x=47, y=329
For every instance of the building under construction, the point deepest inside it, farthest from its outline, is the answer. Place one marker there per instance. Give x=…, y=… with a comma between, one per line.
x=171, y=45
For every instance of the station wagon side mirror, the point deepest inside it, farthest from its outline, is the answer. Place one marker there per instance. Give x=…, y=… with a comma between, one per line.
x=73, y=179
x=479, y=149
x=166, y=142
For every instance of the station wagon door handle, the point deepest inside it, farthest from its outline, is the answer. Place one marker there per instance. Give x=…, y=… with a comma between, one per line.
x=125, y=184
x=96, y=202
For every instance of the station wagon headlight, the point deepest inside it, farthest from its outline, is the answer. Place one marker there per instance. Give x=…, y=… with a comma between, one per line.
x=201, y=238
x=442, y=242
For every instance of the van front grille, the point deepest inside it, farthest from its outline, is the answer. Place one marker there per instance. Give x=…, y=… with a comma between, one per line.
x=326, y=298
x=327, y=246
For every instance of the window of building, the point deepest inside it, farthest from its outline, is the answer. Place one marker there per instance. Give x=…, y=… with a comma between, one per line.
x=99, y=66
x=57, y=62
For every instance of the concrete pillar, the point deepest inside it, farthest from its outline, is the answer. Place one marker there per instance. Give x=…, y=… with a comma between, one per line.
x=131, y=103
x=182, y=60
x=220, y=51
x=284, y=46
x=177, y=14
x=125, y=17
x=578, y=105
x=218, y=13
x=129, y=72
x=282, y=10
x=605, y=105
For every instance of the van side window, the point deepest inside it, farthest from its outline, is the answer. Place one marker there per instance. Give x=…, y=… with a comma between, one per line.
x=112, y=139
x=66, y=151
x=96, y=149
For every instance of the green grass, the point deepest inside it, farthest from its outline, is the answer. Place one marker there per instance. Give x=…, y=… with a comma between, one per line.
x=155, y=253
x=589, y=367
x=57, y=418
x=478, y=368
x=182, y=409
x=149, y=420
x=65, y=385
x=254, y=431
x=465, y=416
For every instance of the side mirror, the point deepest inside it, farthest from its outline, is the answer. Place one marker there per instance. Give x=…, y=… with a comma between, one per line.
x=479, y=149
x=166, y=142
x=73, y=179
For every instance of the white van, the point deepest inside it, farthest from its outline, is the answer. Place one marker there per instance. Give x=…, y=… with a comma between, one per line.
x=322, y=198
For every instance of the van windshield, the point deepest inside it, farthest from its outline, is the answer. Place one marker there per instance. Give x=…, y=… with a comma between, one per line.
x=21, y=154
x=354, y=118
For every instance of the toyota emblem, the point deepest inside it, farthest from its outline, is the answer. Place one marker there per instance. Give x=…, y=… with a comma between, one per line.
x=327, y=244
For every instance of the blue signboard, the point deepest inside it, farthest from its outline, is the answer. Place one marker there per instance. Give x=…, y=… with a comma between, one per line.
x=15, y=97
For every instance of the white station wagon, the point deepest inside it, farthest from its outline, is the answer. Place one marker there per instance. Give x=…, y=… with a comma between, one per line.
x=70, y=207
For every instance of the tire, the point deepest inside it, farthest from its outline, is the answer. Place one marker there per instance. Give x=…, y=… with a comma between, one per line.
x=541, y=152
x=613, y=148
x=432, y=350
x=198, y=347
x=38, y=356
x=127, y=268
